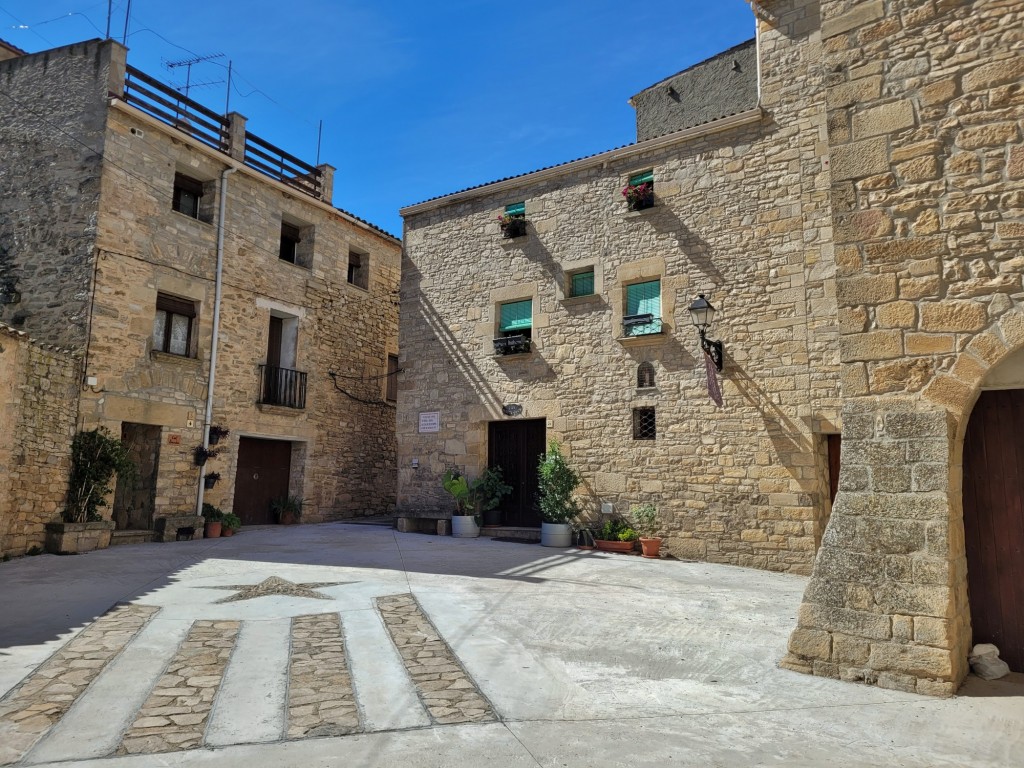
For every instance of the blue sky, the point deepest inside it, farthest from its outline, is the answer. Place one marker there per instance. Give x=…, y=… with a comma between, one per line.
x=417, y=98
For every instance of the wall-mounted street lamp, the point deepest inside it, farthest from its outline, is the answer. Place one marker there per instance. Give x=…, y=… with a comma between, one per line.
x=702, y=314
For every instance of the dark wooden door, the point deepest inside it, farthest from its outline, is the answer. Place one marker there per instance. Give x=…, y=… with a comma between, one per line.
x=516, y=446
x=262, y=476
x=994, y=522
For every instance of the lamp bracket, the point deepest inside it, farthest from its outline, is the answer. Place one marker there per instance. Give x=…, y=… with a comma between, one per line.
x=714, y=350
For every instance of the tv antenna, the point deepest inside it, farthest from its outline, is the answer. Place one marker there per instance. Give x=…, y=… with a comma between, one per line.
x=188, y=64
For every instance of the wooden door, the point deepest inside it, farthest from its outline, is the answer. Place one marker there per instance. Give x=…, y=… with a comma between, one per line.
x=994, y=522
x=516, y=446
x=264, y=467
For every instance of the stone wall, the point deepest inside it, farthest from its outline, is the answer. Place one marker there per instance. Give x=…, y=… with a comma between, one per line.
x=723, y=85
x=742, y=215
x=343, y=448
x=38, y=401
x=51, y=131
x=925, y=112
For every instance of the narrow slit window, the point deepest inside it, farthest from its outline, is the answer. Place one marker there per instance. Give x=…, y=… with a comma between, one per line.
x=391, y=394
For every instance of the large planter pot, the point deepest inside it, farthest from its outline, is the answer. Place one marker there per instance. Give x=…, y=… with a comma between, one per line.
x=75, y=538
x=227, y=531
x=555, y=535
x=651, y=547
x=464, y=527
x=288, y=518
x=615, y=546
x=492, y=518
x=212, y=530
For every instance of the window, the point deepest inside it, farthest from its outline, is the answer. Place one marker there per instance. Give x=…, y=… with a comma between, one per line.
x=516, y=209
x=515, y=326
x=280, y=383
x=358, y=269
x=643, y=309
x=391, y=393
x=187, y=195
x=290, y=239
x=644, y=424
x=639, y=191
x=644, y=376
x=172, y=326
x=513, y=222
x=582, y=283
x=516, y=318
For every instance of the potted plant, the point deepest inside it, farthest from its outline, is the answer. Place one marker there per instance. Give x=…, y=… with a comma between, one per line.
x=616, y=536
x=96, y=456
x=645, y=521
x=287, y=510
x=213, y=521
x=210, y=479
x=230, y=524
x=201, y=454
x=639, y=196
x=512, y=225
x=556, y=488
x=218, y=433
x=473, y=500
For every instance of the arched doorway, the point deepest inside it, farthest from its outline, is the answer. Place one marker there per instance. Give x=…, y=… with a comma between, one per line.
x=993, y=501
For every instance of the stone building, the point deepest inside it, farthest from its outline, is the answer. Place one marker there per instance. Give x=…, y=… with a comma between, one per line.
x=859, y=227
x=204, y=280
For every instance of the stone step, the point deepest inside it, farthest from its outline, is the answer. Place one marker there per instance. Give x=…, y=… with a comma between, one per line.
x=130, y=537
x=511, y=532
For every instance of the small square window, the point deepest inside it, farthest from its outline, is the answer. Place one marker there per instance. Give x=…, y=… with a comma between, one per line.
x=644, y=424
x=172, y=325
x=582, y=283
x=358, y=269
x=290, y=239
x=188, y=193
x=516, y=318
x=639, y=191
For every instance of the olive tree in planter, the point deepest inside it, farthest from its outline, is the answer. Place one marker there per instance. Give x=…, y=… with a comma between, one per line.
x=557, y=484
x=96, y=456
x=645, y=521
x=474, y=499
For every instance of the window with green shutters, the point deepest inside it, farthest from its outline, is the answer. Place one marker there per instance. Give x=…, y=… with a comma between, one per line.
x=515, y=209
x=582, y=284
x=647, y=177
x=643, y=299
x=516, y=317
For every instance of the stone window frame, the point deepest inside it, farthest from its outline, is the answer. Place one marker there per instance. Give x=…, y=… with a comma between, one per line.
x=570, y=268
x=360, y=277
x=487, y=328
x=627, y=179
x=304, y=235
x=180, y=306
x=645, y=423
x=640, y=271
x=206, y=196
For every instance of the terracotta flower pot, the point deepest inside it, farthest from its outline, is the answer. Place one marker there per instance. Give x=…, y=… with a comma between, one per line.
x=212, y=530
x=651, y=547
x=615, y=546
x=227, y=531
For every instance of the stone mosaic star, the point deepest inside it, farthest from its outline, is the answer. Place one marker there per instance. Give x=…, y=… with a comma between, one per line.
x=275, y=585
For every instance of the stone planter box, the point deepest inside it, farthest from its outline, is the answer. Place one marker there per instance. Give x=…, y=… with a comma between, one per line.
x=75, y=538
x=184, y=527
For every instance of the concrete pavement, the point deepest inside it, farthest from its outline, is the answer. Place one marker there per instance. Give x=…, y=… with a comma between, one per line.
x=545, y=657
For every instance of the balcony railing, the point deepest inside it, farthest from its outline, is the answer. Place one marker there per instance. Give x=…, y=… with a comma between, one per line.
x=641, y=325
x=223, y=133
x=282, y=386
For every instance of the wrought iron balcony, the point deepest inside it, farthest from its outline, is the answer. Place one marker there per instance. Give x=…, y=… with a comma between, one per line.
x=282, y=386
x=512, y=345
x=640, y=325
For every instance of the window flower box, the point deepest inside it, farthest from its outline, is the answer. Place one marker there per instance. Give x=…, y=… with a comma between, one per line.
x=512, y=226
x=515, y=344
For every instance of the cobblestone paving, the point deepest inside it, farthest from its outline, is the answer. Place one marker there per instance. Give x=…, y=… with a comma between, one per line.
x=42, y=699
x=447, y=691
x=175, y=714
x=321, y=701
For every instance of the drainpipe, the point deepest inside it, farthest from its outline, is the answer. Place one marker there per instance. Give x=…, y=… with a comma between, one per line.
x=216, y=327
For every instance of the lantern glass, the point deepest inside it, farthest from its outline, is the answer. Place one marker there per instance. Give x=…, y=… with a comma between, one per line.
x=702, y=313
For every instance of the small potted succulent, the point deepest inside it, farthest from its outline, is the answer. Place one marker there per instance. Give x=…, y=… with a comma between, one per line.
x=512, y=225
x=645, y=521
x=616, y=536
x=639, y=196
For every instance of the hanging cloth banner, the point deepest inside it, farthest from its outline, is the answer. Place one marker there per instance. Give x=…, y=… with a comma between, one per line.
x=713, y=389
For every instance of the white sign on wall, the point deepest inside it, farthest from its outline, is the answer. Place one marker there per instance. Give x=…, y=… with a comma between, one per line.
x=430, y=421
